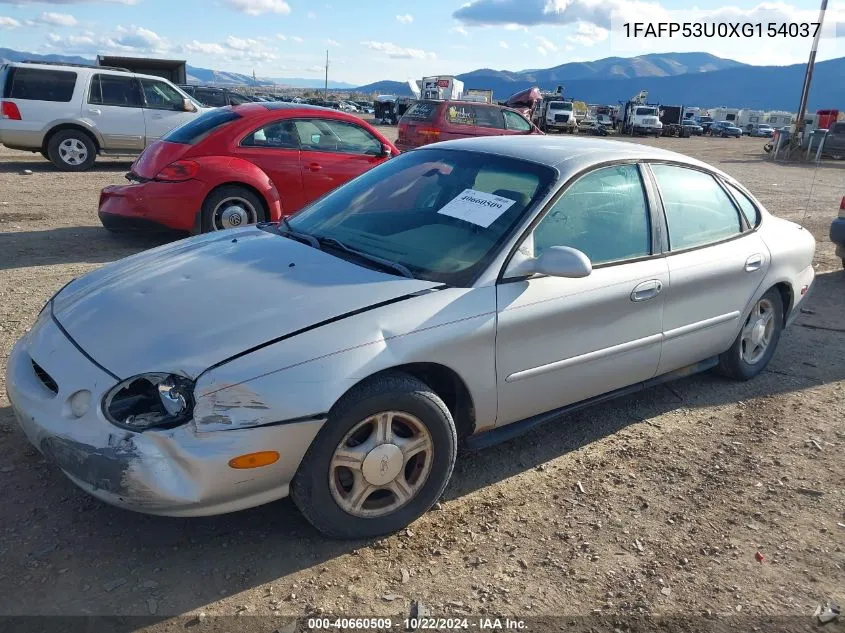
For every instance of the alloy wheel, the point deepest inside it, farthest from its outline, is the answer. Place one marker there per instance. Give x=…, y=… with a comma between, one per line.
x=757, y=332
x=73, y=151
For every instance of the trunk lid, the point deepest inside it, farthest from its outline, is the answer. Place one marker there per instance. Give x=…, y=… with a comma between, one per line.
x=156, y=157
x=418, y=126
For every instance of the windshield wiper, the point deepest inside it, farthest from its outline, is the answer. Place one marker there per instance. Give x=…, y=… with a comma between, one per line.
x=385, y=263
x=302, y=237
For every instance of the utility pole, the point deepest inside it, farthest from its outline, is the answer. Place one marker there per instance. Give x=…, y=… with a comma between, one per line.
x=808, y=78
x=326, y=85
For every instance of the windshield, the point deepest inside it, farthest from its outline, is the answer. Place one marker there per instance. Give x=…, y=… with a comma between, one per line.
x=442, y=214
x=560, y=105
x=647, y=111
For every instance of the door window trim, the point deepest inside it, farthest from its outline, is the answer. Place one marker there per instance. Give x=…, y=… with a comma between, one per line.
x=277, y=149
x=744, y=228
x=146, y=105
x=95, y=77
x=652, y=214
x=335, y=152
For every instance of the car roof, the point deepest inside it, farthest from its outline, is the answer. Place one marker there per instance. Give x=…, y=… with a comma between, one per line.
x=265, y=108
x=569, y=154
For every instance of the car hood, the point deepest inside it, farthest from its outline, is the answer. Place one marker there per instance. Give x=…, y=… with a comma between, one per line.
x=186, y=306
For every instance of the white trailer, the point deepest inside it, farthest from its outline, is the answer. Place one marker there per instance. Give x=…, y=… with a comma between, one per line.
x=749, y=119
x=691, y=114
x=778, y=118
x=441, y=87
x=724, y=114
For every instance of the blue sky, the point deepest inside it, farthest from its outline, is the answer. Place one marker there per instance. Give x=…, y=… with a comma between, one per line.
x=370, y=40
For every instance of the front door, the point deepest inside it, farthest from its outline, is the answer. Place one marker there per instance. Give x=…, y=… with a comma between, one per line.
x=164, y=108
x=559, y=340
x=114, y=109
x=334, y=152
x=716, y=264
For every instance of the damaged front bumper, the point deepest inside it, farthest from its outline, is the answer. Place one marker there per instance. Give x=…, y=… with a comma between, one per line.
x=174, y=472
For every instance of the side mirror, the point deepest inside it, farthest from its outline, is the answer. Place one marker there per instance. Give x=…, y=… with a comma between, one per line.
x=188, y=105
x=557, y=261
x=386, y=151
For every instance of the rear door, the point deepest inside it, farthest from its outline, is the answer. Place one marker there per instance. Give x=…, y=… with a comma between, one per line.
x=114, y=108
x=274, y=147
x=489, y=121
x=716, y=263
x=333, y=152
x=164, y=108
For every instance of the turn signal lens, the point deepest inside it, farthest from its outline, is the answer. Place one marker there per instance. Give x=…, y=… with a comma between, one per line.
x=254, y=460
x=179, y=171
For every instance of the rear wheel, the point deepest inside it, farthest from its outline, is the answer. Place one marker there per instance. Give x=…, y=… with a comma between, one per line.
x=382, y=459
x=756, y=342
x=230, y=207
x=71, y=150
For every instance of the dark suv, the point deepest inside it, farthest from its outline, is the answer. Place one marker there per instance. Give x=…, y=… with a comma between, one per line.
x=214, y=97
x=432, y=121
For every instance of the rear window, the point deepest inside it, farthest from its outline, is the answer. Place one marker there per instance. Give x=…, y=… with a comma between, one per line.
x=196, y=129
x=37, y=84
x=421, y=111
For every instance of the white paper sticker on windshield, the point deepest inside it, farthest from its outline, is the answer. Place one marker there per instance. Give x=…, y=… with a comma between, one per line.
x=477, y=207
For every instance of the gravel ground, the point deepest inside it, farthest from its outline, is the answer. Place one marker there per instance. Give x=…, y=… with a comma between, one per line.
x=697, y=499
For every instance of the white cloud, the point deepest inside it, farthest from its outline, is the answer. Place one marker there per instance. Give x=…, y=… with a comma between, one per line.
x=258, y=7
x=8, y=23
x=534, y=12
x=279, y=36
x=204, y=48
x=123, y=39
x=311, y=15
x=459, y=30
x=25, y=3
x=73, y=44
x=56, y=19
x=504, y=44
x=397, y=52
x=515, y=27
x=542, y=51
x=238, y=44
x=331, y=42
x=136, y=38
x=588, y=34
x=296, y=38
x=406, y=18
x=546, y=44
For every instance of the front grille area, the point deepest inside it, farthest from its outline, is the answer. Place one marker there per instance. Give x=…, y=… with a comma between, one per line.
x=561, y=118
x=45, y=378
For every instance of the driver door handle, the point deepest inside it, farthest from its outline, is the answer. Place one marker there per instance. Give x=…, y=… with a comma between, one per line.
x=646, y=290
x=94, y=111
x=755, y=262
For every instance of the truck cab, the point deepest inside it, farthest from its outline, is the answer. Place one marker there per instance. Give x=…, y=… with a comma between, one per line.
x=558, y=115
x=643, y=119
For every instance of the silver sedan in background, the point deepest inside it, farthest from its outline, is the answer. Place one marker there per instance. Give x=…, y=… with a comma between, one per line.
x=466, y=291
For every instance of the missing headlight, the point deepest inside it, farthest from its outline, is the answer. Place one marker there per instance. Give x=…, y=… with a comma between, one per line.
x=147, y=401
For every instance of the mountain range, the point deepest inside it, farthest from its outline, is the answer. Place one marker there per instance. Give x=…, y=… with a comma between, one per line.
x=677, y=78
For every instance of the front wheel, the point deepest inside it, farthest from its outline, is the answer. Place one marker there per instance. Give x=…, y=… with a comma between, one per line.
x=756, y=342
x=382, y=459
x=231, y=207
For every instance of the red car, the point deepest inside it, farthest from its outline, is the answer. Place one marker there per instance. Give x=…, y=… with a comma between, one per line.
x=242, y=164
x=432, y=121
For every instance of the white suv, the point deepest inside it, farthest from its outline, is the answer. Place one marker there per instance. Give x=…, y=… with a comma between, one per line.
x=70, y=113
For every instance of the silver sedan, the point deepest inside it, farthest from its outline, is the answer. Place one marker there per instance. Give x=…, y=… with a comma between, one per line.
x=463, y=292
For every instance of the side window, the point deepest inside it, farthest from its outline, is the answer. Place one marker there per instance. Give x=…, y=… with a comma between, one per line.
x=211, y=98
x=604, y=214
x=161, y=96
x=698, y=211
x=749, y=210
x=461, y=114
x=39, y=85
x=277, y=135
x=325, y=135
x=838, y=128
x=485, y=116
x=515, y=122
x=115, y=90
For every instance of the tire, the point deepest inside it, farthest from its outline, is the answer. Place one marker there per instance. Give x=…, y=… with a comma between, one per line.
x=71, y=150
x=316, y=485
x=733, y=362
x=215, y=206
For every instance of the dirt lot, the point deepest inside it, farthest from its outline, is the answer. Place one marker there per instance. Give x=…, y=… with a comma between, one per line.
x=682, y=485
